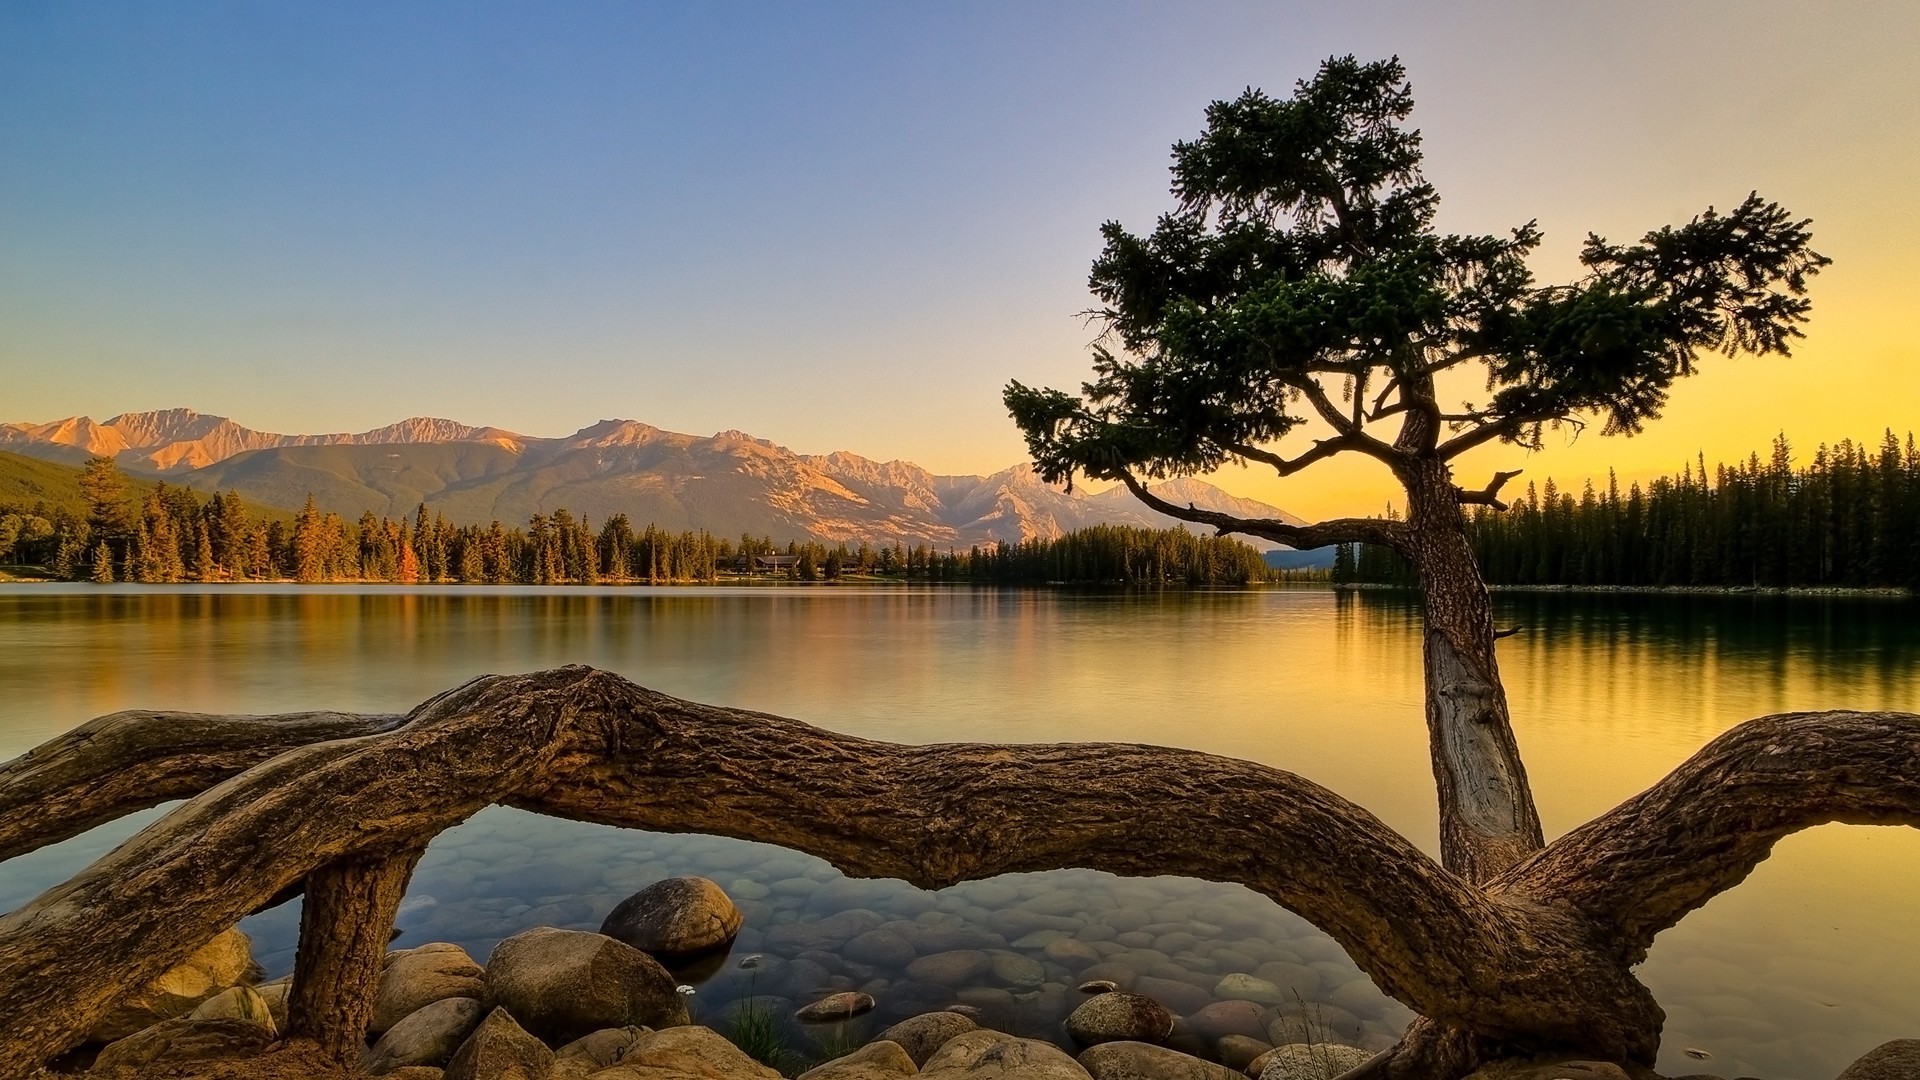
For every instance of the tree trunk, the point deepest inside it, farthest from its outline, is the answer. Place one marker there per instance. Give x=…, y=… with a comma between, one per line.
x=345, y=924
x=1487, y=818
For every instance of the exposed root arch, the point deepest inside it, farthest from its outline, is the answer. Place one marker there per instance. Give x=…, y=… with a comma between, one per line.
x=1534, y=961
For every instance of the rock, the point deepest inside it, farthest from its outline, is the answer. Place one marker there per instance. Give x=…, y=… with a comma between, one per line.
x=1896, y=1060
x=1119, y=1016
x=417, y=1072
x=878, y=1060
x=680, y=916
x=597, y=1051
x=563, y=984
x=1144, y=1061
x=991, y=1055
x=1246, y=1018
x=1563, y=1070
x=922, y=1036
x=185, y=1039
x=1071, y=954
x=500, y=1049
x=275, y=995
x=428, y=1036
x=827, y=934
x=1259, y=1065
x=956, y=967
x=1017, y=971
x=415, y=978
x=237, y=1003
x=1098, y=986
x=695, y=1051
x=1311, y=1061
x=1243, y=987
x=1180, y=997
x=842, y=1006
x=225, y=961
x=1239, y=1051
x=880, y=947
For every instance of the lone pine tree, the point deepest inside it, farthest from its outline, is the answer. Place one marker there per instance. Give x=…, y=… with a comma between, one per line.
x=1300, y=282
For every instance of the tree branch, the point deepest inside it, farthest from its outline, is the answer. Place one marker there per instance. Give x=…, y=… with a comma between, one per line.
x=127, y=761
x=1705, y=826
x=1393, y=534
x=1321, y=450
x=1489, y=495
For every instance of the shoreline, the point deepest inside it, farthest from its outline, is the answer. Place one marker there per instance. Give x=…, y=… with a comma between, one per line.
x=1889, y=592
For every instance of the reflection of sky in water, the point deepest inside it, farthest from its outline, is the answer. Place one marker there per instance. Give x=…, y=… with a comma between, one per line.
x=1812, y=961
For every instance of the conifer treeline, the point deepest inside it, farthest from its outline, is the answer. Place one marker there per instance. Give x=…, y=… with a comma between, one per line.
x=1848, y=519
x=175, y=535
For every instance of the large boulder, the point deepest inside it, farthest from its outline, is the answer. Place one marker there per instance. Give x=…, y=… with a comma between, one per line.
x=993, y=1055
x=685, y=1051
x=842, y=1006
x=880, y=947
x=1896, y=1060
x=500, y=1049
x=414, y=978
x=427, y=1036
x=1221, y=1018
x=1119, y=1017
x=185, y=1039
x=591, y=1053
x=880, y=1060
x=237, y=1003
x=680, y=916
x=1145, y=1061
x=954, y=967
x=225, y=961
x=922, y=1036
x=563, y=984
x=1311, y=1061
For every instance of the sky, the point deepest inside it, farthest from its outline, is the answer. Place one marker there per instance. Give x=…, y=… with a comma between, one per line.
x=846, y=226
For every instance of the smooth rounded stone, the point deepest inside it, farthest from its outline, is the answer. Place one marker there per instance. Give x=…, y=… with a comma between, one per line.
x=1235, y=960
x=1072, y=954
x=1095, y=933
x=414, y=978
x=185, y=1039
x=1359, y=997
x=692, y=1050
x=878, y=1060
x=1179, y=972
x=225, y=961
x=994, y=1007
x=842, y=1006
x=1240, y=986
x=1135, y=939
x=1311, y=1061
x=1316, y=1023
x=1120, y=975
x=795, y=886
x=911, y=997
x=1018, y=971
x=1018, y=922
x=747, y=889
x=955, y=967
x=598, y=1050
x=1180, y=997
x=802, y=979
x=993, y=1055
x=1896, y=1060
x=428, y=1036
x=500, y=1049
x=967, y=1011
x=881, y=947
x=922, y=1036
x=936, y=939
x=1176, y=941
x=1039, y=939
x=1125, y=921
x=1240, y=1051
x=1295, y=980
x=1145, y=1061
x=1058, y=902
x=827, y=934
x=679, y=916
x=1098, y=986
x=1246, y=1018
x=562, y=984
x=275, y=995
x=237, y=1003
x=1119, y=1016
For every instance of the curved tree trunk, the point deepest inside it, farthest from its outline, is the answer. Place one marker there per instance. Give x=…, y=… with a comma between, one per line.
x=1538, y=959
x=1488, y=821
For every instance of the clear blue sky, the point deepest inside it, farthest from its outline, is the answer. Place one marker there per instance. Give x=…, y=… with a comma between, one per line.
x=836, y=226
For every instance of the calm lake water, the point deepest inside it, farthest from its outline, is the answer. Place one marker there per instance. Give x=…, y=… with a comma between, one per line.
x=1812, y=961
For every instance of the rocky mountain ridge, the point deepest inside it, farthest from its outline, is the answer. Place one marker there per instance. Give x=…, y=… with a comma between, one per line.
x=727, y=483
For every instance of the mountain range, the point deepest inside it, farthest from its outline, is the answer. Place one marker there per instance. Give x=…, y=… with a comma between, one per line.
x=729, y=483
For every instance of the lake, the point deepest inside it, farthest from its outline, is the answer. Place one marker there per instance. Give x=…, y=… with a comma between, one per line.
x=1812, y=961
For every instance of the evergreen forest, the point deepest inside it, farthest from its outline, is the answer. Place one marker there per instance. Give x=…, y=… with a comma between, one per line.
x=1849, y=518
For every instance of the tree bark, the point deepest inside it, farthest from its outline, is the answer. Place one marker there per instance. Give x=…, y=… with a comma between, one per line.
x=1537, y=960
x=1488, y=821
x=345, y=924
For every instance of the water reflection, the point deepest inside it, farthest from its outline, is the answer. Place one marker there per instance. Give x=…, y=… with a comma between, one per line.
x=1812, y=961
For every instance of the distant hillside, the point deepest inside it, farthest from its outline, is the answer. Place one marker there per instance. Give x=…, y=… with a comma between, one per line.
x=727, y=484
x=25, y=481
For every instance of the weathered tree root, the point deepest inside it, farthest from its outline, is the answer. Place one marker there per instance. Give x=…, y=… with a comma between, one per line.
x=1538, y=960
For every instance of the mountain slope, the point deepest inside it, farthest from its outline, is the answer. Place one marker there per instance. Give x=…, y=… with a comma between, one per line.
x=728, y=484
